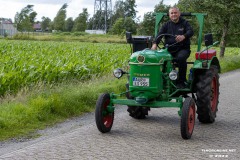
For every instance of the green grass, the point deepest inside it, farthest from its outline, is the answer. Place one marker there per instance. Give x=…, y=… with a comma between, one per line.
x=231, y=60
x=23, y=114
x=67, y=36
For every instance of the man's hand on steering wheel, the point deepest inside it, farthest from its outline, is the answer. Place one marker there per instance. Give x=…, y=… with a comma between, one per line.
x=154, y=46
x=180, y=38
x=159, y=38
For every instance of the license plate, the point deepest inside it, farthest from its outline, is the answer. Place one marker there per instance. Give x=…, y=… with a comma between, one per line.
x=138, y=81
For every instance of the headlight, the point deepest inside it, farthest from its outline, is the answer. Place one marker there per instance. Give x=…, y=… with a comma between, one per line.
x=173, y=75
x=118, y=73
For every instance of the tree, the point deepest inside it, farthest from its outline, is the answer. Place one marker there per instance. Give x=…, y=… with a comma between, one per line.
x=45, y=24
x=129, y=8
x=147, y=26
x=224, y=17
x=118, y=11
x=118, y=27
x=130, y=25
x=122, y=25
x=160, y=7
x=98, y=20
x=32, y=17
x=80, y=23
x=25, y=19
x=90, y=23
x=124, y=9
x=69, y=24
x=59, y=20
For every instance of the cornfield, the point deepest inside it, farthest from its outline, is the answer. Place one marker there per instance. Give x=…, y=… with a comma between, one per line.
x=25, y=63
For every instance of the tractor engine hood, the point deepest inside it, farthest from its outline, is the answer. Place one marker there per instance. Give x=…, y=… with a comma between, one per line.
x=145, y=74
x=149, y=57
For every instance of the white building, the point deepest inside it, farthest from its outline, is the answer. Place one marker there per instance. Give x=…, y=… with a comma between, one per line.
x=7, y=28
x=95, y=31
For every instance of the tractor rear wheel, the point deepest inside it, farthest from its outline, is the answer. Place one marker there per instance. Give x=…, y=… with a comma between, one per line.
x=103, y=117
x=138, y=112
x=188, y=118
x=207, y=95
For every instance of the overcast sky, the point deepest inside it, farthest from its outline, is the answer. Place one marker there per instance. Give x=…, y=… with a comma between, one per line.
x=49, y=8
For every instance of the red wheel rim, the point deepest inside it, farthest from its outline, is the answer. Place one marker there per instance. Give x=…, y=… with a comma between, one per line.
x=214, y=94
x=191, y=118
x=107, y=117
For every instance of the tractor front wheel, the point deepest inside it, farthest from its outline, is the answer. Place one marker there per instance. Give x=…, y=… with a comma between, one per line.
x=104, y=115
x=188, y=118
x=207, y=95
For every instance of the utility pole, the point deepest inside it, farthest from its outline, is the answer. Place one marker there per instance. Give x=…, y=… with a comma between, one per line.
x=102, y=14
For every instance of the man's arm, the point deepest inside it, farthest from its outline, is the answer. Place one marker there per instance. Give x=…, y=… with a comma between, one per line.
x=189, y=31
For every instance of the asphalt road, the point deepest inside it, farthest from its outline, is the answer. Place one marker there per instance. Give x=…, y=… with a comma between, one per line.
x=157, y=137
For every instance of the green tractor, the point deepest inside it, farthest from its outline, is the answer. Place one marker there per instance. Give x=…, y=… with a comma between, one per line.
x=152, y=77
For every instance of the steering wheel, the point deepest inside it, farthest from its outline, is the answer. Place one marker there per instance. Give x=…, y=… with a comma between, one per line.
x=161, y=41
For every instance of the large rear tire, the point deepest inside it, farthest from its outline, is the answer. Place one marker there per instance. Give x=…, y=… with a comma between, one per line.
x=104, y=118
x=207, y=95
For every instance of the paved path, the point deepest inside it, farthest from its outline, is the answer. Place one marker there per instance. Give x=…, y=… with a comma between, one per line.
x=157, y=137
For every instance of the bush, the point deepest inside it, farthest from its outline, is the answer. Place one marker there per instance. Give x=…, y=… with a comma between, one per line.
x=65, y=33
x=79, y=33
x=22, y=36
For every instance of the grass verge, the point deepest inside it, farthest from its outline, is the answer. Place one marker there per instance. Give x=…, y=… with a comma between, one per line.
x=67, y=37
x=24, y=114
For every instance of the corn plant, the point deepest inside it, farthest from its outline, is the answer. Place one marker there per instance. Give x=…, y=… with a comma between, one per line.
x=25, y=63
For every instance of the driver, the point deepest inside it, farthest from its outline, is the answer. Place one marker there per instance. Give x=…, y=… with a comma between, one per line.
x=181, y=32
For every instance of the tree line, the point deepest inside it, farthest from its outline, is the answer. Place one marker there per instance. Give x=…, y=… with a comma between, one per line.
x=222, y=20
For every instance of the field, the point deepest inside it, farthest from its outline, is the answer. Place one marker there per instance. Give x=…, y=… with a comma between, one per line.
x=26, y=63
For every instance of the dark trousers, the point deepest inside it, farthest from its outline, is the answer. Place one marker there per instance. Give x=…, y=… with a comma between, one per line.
x=181, y=59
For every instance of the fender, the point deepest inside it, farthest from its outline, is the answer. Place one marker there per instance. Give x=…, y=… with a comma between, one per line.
x=205, y=64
